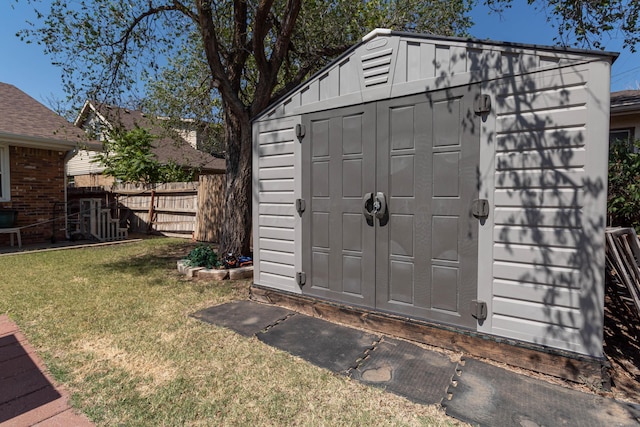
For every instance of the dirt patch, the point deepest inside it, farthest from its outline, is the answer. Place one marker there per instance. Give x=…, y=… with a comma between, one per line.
x=105, y=352
x=621, y=343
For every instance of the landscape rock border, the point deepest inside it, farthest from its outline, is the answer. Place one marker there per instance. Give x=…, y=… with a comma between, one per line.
x=214, y=274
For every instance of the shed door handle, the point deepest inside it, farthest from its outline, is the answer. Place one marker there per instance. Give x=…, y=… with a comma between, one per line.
x=367, y=206
x=380, y=205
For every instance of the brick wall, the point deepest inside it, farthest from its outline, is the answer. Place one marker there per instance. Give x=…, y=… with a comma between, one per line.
x=37, y=193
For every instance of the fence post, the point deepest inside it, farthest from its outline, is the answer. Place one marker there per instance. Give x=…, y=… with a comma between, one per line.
x=210, y=208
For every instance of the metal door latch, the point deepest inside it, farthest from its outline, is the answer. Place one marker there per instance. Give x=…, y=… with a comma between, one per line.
x=301, y=278
x=300, y=206
x=482, y=104
x=301, y=130
x=480, y=208
x=478, y=309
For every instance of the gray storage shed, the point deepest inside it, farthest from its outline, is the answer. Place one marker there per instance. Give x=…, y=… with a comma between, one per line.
x=459, y=182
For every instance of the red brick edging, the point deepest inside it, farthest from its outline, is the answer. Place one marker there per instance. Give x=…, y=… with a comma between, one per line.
x=28, y=394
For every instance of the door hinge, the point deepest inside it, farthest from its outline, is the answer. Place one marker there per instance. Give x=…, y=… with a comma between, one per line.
x=301, y=206
x=478, y=309
x=482, y=104
x=301, y=278
x=480, y=208
x=300, y=130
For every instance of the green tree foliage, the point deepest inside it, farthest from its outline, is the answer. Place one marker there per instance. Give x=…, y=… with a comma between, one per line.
x=244, y=53
x=127, y=156
x=623, y=198
x=583, y=22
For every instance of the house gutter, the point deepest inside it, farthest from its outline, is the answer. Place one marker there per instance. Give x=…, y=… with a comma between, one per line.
x=36, y=142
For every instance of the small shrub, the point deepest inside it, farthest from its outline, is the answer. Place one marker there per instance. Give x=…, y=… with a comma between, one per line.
x=623, y=201
x=203, y=256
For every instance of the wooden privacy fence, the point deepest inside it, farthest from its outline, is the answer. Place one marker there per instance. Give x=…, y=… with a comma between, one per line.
x=187, y=209
x=623, y=261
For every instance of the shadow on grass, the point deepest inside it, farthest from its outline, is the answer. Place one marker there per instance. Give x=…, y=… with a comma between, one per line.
x=160, y=258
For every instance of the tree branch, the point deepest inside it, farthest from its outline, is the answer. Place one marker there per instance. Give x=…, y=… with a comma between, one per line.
x=239, y=54
x=212, y=53
x=268, y=71
x=261, y=28
x=284, y=38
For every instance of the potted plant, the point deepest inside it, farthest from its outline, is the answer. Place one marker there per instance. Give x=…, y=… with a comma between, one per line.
x=8, y=218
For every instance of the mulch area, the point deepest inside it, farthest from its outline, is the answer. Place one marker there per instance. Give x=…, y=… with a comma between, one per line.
x=28, y=394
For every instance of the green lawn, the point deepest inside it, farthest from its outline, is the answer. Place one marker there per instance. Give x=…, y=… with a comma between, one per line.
x=112, y=324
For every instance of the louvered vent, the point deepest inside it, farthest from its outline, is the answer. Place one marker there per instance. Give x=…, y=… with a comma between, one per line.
x=376, y=67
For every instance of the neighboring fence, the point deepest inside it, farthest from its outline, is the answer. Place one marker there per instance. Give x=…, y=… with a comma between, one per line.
x=188, y=209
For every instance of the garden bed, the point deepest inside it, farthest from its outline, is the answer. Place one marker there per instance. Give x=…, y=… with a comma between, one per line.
x=214, y=273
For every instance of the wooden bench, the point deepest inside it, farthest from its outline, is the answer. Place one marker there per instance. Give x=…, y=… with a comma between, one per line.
x=12, y=231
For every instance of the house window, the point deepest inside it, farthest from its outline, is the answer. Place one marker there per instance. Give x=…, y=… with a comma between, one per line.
x=621, y=135
x=4, y=174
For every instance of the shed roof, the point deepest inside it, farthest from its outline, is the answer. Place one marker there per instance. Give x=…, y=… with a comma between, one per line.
x=625, y=100
x=387, y=64
x=25, y=121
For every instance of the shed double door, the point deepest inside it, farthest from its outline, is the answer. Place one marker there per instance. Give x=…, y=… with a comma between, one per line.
x=389, y=188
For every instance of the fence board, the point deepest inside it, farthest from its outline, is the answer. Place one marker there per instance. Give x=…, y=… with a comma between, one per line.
x=189, y=209
x=174, y=206
x=622, y=263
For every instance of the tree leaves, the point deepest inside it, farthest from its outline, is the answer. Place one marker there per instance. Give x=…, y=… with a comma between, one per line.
x=220, y=61
x=127, y=156
x=582, y=23
x=623, y=200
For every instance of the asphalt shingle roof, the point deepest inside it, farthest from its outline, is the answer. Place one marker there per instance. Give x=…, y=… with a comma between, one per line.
x=625, y=98
x=21, y=115
x=166, y=147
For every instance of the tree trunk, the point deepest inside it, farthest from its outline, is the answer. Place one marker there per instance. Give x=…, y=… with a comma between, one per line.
x=236, y=228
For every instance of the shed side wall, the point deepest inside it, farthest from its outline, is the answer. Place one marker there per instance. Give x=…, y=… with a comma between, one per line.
x=276, y=186
x=550, y=203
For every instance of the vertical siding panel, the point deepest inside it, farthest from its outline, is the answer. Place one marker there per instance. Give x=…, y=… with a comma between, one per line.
x=427, y=60
x=458, y=60
x=329, y=85
x=442, y=60
x=474, y=60
x=349, y=81
x=413, y=61
x=310, y=94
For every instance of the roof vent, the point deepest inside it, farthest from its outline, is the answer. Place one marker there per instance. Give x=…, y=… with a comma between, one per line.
x=376, y=67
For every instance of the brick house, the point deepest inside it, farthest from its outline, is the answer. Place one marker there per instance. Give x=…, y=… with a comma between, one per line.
x=179, y=146
x=35, y=144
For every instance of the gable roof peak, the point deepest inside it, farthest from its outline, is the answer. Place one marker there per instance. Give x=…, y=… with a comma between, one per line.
x=375, y=33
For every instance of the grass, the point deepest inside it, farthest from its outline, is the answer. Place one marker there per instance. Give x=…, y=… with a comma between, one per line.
x=112, y=324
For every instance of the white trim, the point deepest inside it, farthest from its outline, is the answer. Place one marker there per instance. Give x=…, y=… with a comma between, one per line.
x=375, y=33
x=37, y=142
x=5, y=174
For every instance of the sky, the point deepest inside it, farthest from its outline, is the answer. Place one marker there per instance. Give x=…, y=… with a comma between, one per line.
x=28, y=68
